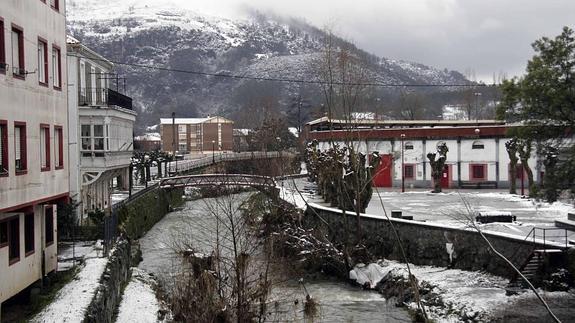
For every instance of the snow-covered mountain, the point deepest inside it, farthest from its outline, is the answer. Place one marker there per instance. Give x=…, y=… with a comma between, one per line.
x=158, y=33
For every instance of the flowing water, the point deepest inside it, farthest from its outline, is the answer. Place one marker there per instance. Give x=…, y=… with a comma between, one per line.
x=339, y=301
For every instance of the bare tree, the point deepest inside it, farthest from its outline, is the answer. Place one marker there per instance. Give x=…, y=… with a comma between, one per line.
x=226, y=275
x=437, y=166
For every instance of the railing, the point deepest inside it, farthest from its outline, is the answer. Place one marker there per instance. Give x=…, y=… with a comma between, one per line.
x=541, y=234
x=218, y=179
x=103, y=97
x=187, y=165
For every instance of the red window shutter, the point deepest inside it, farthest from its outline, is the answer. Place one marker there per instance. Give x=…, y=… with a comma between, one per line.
x=2, y=46
x=4, y=139
x=24, y=150
x=61, y=147
x=47, y=147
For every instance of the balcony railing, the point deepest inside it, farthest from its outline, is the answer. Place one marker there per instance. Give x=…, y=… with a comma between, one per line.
x=103, y=97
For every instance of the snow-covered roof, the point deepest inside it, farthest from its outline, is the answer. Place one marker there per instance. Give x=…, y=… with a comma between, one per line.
x=183, y=120
x=154, y=136
x=409, y=122
x=190, y=120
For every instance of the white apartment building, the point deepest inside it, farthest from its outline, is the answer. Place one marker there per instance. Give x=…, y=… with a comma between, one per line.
x=477, y=157
x=101, y=122
x=33, y=136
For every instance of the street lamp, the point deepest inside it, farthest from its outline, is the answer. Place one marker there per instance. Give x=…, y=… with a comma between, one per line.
x=477, y=95
x=213, y=151
x=174, y=140
x=402, y=164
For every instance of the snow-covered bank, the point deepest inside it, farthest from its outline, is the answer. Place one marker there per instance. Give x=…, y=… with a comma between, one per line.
x=139, y=302
x=448, y=294
x=73, y=299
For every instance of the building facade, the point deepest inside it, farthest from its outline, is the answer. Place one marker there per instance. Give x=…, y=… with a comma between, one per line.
x=33, y=136
x=101, y=127
x=196, y=135
x=477, y=157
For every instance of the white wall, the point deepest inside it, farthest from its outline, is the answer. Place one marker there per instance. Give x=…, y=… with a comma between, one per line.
x=493, y=152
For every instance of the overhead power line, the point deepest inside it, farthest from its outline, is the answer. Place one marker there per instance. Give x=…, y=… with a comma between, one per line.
x=276, y=79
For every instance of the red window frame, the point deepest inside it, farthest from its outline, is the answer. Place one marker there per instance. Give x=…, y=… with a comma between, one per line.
x=44, y=43
x=46, y=129
x=472, y=176
x=21, y=56
x=56, y=5
x=23, y=148
x=29, y=234
x=4, y=138
x=59, y=135
x=13, y=260
x=405, y=174
x=49, y=226
x=2, y=48
x=3, y=233
x=59, y=70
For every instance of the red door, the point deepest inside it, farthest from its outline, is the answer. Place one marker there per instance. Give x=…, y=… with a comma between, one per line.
x=382, y=176
x=445, y=177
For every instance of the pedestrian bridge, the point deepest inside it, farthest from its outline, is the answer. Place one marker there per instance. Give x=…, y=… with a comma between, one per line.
x=256, y=181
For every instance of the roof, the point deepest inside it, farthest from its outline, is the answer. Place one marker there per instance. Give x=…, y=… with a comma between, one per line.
x=408, y=122
x=77, y=49
x=183, y=120
x=188, y=120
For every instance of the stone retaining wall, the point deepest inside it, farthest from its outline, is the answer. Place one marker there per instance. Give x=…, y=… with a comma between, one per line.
x=109, y=294
x=426, y=243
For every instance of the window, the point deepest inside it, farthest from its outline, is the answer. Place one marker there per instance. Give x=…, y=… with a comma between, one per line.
x=42, y=62
x=98, y=137
x=29, y=234
x=3, y=234
x=49, y=225
x=82, y=83
x=44, y=147
x=409, y=171
x=55, y=4
x=478, y=172
x=59, y=146
x=477, y=145
x=86, y=135
x=20, y=153
x=56, y=68
x=3, y=148
x=2, y=49
x=408, y=146
x=13, y=240
x=18, y=69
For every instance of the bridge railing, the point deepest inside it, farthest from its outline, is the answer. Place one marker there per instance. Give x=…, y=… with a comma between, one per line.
x=189, y=165
x=218, y=179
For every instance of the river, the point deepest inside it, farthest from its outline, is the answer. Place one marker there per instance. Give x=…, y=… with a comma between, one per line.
x=339, y=301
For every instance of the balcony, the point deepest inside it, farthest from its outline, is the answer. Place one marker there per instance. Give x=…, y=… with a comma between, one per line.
x=97, y=97
x=105, y=160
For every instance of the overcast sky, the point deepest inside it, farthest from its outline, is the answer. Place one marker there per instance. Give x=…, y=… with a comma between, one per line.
x=486, y=36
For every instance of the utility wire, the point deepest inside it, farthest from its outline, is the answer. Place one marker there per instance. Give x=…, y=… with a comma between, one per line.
x=275, y=79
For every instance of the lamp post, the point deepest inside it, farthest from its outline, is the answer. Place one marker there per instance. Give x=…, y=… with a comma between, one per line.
x=174, y=139
x=213, y=151
x=402, y=164
x=477, y=95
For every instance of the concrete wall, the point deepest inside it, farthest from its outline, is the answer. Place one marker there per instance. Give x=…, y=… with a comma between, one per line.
x=426, y=243
x=16, y=277
x=24, y=99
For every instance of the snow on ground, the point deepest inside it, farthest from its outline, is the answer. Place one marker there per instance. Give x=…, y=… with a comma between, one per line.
x=292, y=196
x=70, y=253
x=139, y=302
x=73, y=299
